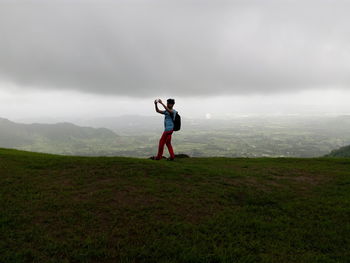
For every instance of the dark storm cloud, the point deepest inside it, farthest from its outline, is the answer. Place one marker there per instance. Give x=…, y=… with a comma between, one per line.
x=139, y=48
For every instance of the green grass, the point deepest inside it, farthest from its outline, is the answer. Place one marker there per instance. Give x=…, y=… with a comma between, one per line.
x=82, y=209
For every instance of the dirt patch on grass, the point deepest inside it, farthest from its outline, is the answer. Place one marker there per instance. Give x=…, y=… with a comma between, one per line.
x=298, y=176
x=304, y=179
x=268, y=178
x=251, y=181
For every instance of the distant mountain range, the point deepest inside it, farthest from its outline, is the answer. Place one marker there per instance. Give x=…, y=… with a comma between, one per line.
x=341, y=152
x=64, y=138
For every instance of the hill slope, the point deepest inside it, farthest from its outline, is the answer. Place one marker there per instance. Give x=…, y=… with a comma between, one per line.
x=341, y=152
x=63, y=138
x=84, y=209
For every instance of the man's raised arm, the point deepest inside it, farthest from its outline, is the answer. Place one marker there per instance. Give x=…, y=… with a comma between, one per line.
x=156, y=107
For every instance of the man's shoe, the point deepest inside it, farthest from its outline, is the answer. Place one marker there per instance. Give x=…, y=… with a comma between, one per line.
x=154, y=158
x=170, y=159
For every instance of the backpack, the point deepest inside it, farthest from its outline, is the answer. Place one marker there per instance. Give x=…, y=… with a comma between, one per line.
x=177, y=122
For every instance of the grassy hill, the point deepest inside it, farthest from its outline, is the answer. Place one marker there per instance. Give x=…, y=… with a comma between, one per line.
x=341, y=152
x=100, y=209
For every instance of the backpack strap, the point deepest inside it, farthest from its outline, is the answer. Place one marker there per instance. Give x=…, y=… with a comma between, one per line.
x=173, y=118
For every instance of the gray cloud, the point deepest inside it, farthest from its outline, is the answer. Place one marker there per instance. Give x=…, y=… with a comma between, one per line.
x=146, y=48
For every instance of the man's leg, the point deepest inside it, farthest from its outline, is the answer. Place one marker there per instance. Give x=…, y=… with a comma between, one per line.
x=170, y=147
x=162, y=141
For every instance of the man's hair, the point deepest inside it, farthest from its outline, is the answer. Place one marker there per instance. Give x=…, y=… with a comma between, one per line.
x=170, y=101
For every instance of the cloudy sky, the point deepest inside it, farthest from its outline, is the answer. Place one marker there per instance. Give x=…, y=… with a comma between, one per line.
x=105, y=58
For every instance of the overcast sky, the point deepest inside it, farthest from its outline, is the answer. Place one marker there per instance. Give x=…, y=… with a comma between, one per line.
x=65, y=58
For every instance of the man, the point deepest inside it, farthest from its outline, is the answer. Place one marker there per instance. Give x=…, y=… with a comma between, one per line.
x=169, y=118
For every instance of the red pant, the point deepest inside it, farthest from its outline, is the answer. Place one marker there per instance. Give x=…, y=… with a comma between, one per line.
x=165, y=139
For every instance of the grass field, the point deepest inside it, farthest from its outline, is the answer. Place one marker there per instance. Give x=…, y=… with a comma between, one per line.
x=82, y=209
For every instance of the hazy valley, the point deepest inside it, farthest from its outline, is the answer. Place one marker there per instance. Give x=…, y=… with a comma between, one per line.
x=137, y=136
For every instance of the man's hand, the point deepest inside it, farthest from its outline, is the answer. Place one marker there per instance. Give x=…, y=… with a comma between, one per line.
x=160, y=101
x=155, y=102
